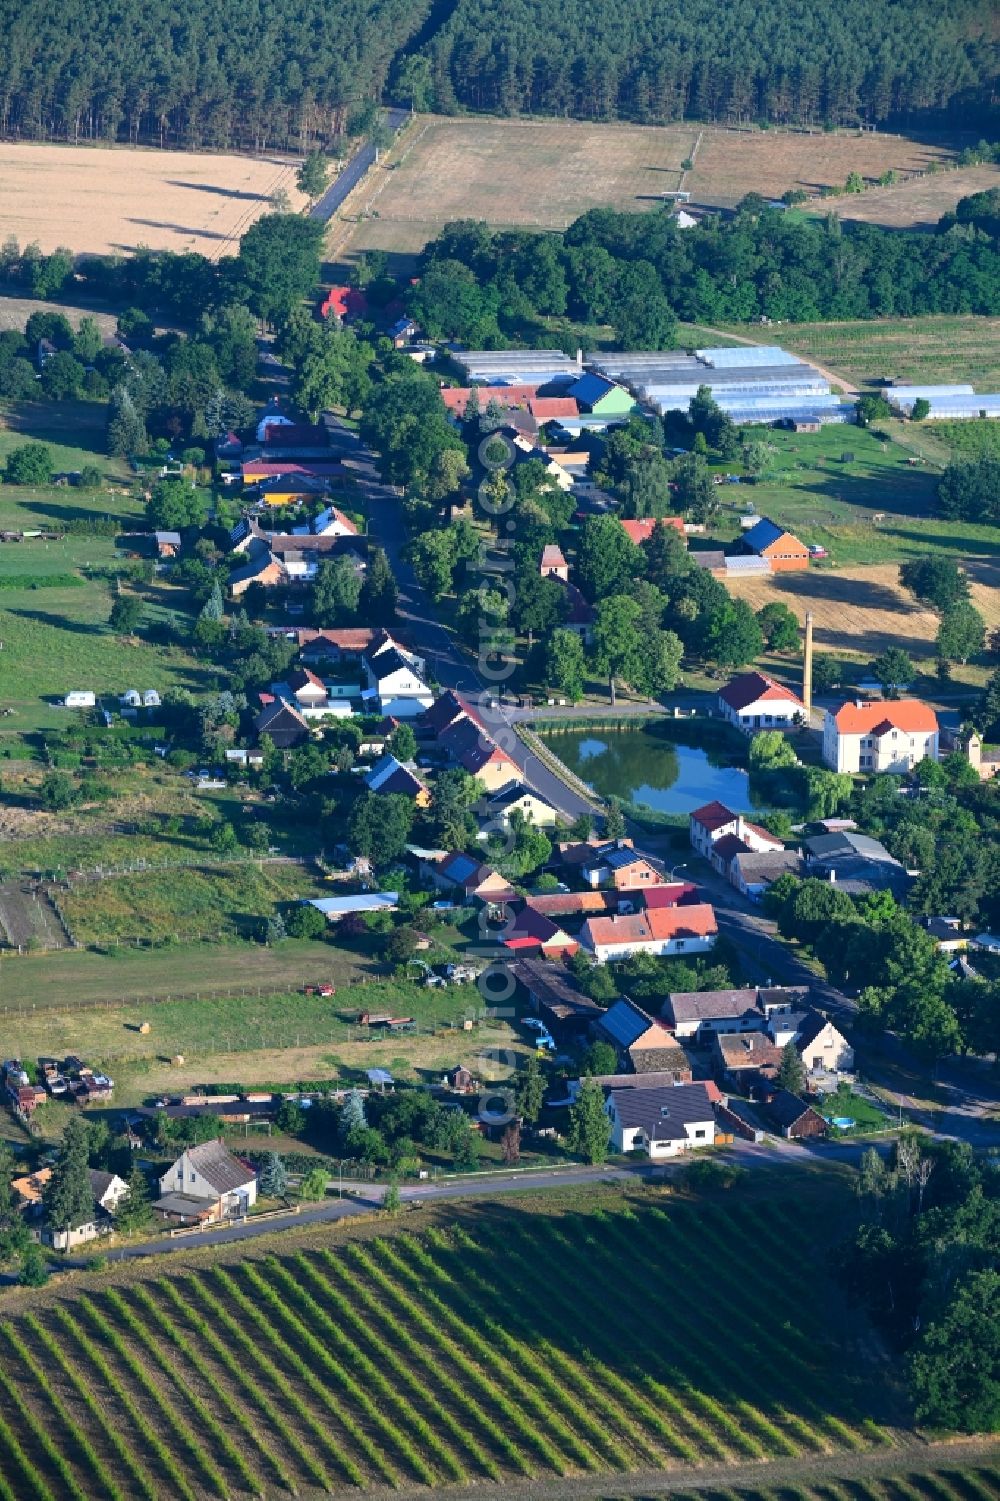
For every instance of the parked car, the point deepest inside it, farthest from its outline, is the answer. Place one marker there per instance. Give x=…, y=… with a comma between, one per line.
x=442, y=906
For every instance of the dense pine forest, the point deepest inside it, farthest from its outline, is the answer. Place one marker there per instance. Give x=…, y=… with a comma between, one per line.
x=253, y=76
x=218, y=74
x=655, y=60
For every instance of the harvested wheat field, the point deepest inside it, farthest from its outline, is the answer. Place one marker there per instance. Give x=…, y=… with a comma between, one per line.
x=99, y=200
x=542, y=174
x=865, y=609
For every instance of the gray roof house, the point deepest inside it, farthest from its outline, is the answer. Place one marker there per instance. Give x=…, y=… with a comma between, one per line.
x=662, y=1122
x=206, y=1183
x=856, y=862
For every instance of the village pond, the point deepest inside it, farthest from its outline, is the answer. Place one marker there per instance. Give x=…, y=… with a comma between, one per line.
x=668, y=766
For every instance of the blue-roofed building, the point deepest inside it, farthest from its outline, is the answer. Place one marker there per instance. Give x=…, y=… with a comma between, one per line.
x=643, y=1045
x=601, y=397
x=783, y=551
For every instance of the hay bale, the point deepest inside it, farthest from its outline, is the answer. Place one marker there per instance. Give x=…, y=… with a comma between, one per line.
x=177, y=1060
x=145, y=1029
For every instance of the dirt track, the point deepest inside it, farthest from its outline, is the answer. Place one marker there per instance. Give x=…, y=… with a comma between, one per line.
x=911, y=1458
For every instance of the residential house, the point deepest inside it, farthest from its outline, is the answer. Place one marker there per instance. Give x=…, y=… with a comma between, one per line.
x=792, y=1117
x=206, y=1182
x=752, y=874
x=673, y=930
x=333, y=523
x=390, y=775
x=857, y=862
x=744, y=1060
x=886, y=735
x=641, y=531
x=755, y=702
x=470, y=878
x=286, y=488
x=601, y=397
x=314, y=645
x=283, y=724
x=780, y=549
x=699, y=1014
x=516, y=796
x=168, y=544
x=108, y=1191
x=554, y=995
x=526, y=449
x=468, y=744
x=553, y=564
x=262, y=568
x=661, y=1122
x=395, y=679
x=443, y=712
x=643, y=1044
x=531, y=932
x=614, y=863
x=552, y=408
x=947, y=934
x=822, y=1046
x=307, y=690
x=403, y=332
x=712, y=822
x=344, y=305
x=574, y=904
x=670, y=894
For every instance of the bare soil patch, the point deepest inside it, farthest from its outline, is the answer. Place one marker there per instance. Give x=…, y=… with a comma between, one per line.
x=102, y=200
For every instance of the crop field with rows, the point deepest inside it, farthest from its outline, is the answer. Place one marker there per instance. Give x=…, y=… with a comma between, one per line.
x=615, y=1336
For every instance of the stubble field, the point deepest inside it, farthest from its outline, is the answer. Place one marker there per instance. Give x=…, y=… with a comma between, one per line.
x=864, y=609
x=543, y=174
x=104, y=201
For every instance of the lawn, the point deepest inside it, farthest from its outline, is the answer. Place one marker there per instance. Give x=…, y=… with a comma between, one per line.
x=73, y=430
x=865, y=498
x=368, y=1356
x=848, y=1105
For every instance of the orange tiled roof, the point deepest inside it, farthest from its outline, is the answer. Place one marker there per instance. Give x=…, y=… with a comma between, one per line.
x=907, y=714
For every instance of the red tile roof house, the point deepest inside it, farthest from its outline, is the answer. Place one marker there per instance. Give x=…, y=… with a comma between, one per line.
x=670, y=930
x=754, y=702
x=892, y=735
x=641, y=531
x=714, y=821
x=531, y=932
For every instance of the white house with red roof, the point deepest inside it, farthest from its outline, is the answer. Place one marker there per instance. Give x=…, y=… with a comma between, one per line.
x=708, y=826
x=658, y=931
x=755, y=702
x=885, y=735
